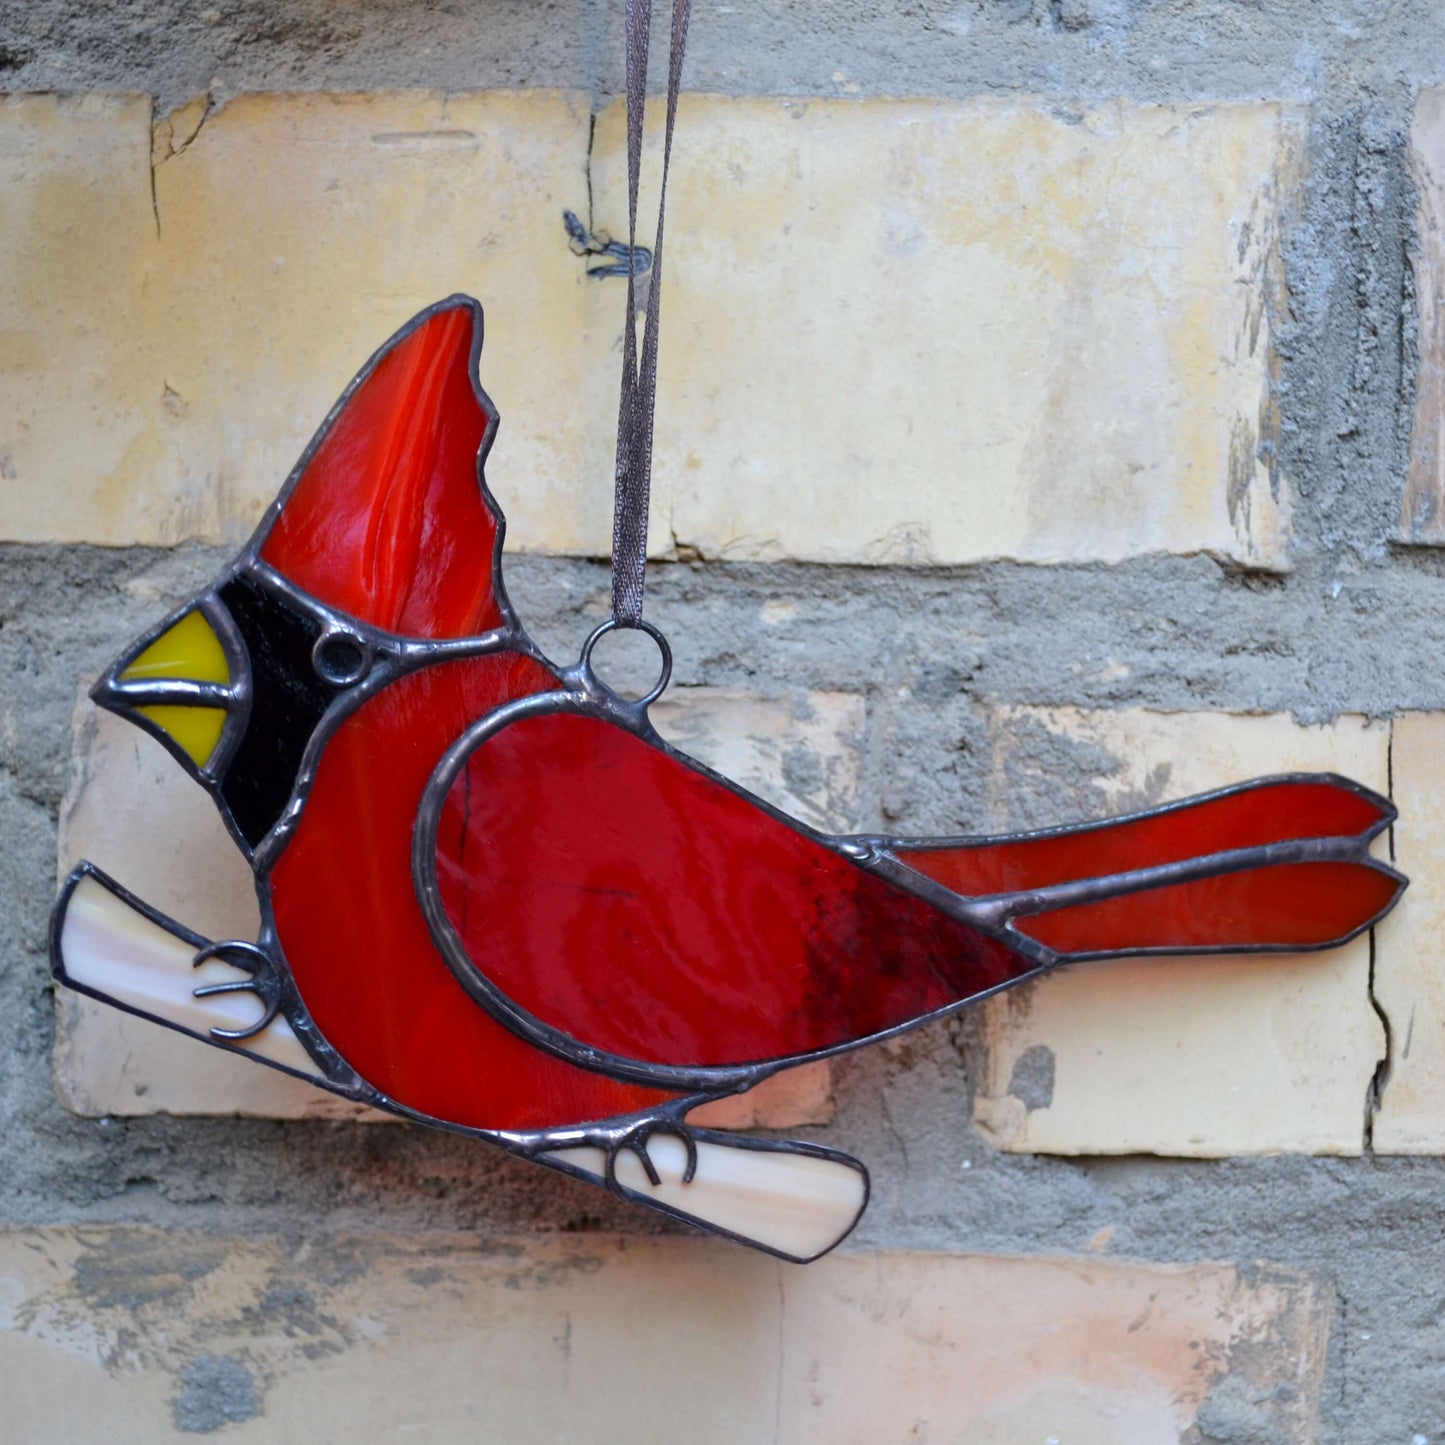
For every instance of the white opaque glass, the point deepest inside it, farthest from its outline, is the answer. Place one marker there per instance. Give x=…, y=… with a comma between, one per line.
x=114, y=950
x=796, y=1204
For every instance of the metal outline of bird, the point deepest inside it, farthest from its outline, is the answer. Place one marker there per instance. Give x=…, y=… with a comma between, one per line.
x=561, y=1043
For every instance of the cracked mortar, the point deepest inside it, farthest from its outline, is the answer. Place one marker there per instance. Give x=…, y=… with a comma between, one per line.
x=1353, y=628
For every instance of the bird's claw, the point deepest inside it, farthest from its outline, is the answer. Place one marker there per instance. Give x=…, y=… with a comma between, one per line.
x=265, y=983
x=635, y=1141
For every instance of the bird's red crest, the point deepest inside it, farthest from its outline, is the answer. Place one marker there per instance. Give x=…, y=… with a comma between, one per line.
x=387, y=518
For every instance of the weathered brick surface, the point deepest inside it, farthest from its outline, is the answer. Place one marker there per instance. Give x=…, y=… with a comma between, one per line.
x=875, y=351
x=1409, y=976
x=135, y=814
x=291, y=235
x=1204, y=1056
x=927, y=331
x=163, y=1334
x=81, y=404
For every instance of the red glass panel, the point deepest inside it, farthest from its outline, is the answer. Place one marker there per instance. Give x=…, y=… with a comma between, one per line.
x=644, y=909
x=1294, y=905
x=357, y=942
x=1266, y=813
x=388, y=522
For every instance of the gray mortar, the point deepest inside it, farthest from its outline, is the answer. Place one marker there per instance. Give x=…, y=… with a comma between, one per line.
x=1147, y=49
x=1359, y=625
x=213, y=1391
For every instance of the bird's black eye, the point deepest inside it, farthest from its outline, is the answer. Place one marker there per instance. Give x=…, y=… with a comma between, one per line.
x=341, y=658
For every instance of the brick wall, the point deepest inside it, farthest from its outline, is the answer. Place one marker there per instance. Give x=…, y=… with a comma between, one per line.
x=1049, y=425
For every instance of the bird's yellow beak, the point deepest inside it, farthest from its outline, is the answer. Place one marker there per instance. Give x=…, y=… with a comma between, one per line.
x=160, y=683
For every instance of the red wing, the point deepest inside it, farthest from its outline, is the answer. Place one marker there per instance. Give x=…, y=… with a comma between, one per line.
x=636, y=907
x=386, y=518
x=642, y=908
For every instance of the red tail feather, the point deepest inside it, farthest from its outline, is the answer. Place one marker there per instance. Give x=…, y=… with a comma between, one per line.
x=1281, y=863
x=1290, y=906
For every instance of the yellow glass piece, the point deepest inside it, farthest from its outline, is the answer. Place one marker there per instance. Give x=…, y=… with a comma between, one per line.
x=190, y=651
x=196, y=729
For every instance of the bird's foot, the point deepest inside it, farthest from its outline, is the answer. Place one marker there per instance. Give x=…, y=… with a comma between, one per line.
x=634, y=1140
x=264, y=982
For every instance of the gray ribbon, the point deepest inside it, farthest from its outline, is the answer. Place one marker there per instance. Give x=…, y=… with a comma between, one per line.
x=639, y=383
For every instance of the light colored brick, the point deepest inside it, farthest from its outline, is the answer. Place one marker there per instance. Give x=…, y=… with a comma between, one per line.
x=296, y=232
x=802, y=1095
x=306, y=228
x=896, y=330
x=1409, y=979
x=1201, y=1057
x=135, y=814
x=935, y=331
x=1423, y=516
x=80, y=396
x=436, y=1339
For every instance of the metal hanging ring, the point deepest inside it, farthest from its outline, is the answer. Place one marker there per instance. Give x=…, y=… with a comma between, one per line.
x=612, y=624
x=341, y=656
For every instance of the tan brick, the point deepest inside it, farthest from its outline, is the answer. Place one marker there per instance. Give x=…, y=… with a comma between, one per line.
x=438, y=1339
x=134, y=813
x=897, y=330
x=1200, y=1057
x=1409, y=980
x=802, y=1095
x=80, y=392
x=1422, y=518
x=934, y=331
x=296, y=232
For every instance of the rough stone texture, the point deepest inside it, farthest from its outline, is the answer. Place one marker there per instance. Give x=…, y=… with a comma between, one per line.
x=1357, y=627
x=1196, y=1056
x=1061, y=368
x=443, y=1338
x=1423, y=514
x=132, y=812
x=1336, y=50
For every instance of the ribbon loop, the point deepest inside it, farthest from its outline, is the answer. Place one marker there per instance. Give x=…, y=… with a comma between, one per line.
x=633, y=473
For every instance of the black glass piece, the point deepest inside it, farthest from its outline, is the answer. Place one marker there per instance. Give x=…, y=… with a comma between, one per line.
x=287, y=701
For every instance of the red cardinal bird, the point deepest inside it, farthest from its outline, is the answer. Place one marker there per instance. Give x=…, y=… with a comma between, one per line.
x=494, y=900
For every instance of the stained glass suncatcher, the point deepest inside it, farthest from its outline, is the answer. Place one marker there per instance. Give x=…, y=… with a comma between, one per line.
x=495, y=901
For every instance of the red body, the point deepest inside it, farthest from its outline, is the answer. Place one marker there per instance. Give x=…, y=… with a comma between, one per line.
x=388, y=523
x=358, y=944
